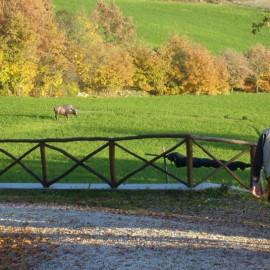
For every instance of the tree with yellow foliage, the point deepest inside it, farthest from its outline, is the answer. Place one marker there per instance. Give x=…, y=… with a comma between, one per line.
x=84, y=50
x=115, y=71
x=259, y=62
x=151, y=70
x=100, y=67
x=33, y=47
x=18, y=66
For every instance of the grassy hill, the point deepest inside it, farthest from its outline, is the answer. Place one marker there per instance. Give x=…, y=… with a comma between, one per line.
x=217, y=27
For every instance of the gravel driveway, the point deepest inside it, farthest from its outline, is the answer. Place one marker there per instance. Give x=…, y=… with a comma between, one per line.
x=41, y=237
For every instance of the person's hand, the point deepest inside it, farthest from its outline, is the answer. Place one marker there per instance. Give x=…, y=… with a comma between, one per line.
x=256, y=190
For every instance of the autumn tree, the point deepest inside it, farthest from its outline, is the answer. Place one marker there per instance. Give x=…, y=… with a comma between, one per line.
x=113, y=25
x=84, y=50
x=238, y=68
x=151, y=70
x=17, y=64
x=259, y=62
x=174, y=51
x=29, y=31
x=115, y=72
x=97, y=66
x=194, y=69
x=205, y=74
x=51, y=51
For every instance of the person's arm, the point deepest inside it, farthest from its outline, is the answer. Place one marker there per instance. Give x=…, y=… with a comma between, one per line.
x=257, y=167
x=258, y=159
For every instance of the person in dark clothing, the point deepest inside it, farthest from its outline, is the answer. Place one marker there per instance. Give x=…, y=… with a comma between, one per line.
x=181, y=161
x=261, y=159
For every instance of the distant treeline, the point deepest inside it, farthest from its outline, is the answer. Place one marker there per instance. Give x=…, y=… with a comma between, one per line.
x=48, y=54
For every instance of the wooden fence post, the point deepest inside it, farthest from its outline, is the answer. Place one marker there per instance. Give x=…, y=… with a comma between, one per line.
x=44, y=165
x=189, y=161
x=112, y=164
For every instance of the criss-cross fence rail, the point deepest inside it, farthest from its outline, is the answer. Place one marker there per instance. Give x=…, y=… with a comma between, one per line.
x=113, y=144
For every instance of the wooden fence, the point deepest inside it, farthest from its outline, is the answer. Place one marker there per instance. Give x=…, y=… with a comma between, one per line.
x=112, y=144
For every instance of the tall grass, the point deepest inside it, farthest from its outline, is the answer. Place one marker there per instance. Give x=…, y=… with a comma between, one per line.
x=216, y=27
x=236, y=116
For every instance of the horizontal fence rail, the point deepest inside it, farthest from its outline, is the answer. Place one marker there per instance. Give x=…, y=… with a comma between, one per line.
x=113, y=145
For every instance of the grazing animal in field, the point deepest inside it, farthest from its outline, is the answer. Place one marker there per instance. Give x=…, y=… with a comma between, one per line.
x=65, y=110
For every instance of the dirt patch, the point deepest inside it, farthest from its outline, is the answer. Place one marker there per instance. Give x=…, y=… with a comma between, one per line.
x=253, y=3
x=264, y=4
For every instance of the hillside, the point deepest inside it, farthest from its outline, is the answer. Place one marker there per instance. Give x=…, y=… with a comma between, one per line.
x=217, y=27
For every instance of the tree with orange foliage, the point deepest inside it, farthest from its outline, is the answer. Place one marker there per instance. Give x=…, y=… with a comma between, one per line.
x=194, y=70
x=206, y=74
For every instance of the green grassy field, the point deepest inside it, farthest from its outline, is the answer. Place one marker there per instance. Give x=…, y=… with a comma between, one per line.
x=216, y=27
x=233, y=116
x=236, y=116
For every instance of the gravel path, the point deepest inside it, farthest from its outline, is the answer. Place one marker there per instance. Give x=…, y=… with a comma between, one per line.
x=41, y=237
